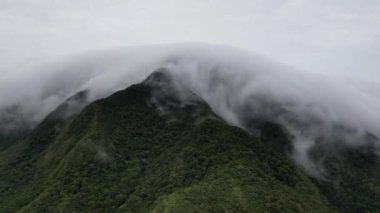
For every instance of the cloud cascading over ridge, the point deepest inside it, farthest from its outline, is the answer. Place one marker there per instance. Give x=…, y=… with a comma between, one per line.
x=52, y=49
x=238, y=85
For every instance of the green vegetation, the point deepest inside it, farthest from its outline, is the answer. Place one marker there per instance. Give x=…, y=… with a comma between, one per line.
x=7, y=139
x=144, y=150
x=351, y=179
x=120, y=155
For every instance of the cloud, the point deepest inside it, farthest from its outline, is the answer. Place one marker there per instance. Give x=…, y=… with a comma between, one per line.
x=52, y=49
x=308, y=35
x=240, y=86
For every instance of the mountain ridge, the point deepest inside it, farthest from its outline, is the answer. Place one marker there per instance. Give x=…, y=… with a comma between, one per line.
x=99, y=160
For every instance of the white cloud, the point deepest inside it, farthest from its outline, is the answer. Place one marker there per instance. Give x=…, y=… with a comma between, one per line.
x=319, y=36
x=333, y=37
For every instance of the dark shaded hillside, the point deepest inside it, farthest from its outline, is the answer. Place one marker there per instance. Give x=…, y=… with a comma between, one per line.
x=351, y=178
x=344, y=163
x=148, y=149
x=13, y=126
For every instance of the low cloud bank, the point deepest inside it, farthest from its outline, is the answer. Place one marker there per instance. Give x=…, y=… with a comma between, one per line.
x=239, y=86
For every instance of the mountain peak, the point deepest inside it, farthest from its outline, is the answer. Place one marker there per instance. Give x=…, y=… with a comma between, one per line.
x=154, y=146
x=157, y=146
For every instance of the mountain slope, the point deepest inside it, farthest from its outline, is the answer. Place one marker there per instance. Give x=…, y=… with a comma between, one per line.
x=351, y=180
x=13, y=126
x=148, y=148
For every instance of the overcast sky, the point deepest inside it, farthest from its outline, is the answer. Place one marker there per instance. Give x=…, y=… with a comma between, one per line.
x=327, y=36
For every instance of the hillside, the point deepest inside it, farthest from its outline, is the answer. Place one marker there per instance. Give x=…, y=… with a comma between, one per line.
x=13, y=126
x=146, y=149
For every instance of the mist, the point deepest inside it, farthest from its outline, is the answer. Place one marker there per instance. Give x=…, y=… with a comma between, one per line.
x=240, y=86
x=310, y=66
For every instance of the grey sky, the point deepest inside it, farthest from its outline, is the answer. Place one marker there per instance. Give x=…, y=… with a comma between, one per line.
x=328, y=36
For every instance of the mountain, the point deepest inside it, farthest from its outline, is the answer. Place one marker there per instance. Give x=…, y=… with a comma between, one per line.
x=158, y=147
x=343, y=163
x=351, y=178
x=13, y=126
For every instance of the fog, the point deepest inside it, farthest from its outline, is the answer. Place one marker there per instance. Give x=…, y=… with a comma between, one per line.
x=311, y=66
x=239, y=85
